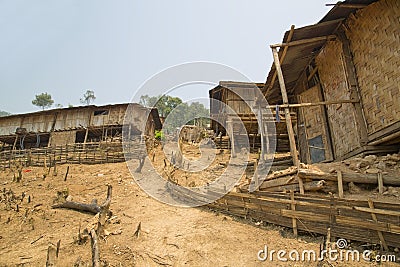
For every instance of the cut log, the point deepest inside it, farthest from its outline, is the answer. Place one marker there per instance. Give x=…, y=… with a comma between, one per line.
x=348, y=177
x=93, y=208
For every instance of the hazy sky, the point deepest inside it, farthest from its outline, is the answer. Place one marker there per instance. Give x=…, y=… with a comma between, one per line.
x=66, y=47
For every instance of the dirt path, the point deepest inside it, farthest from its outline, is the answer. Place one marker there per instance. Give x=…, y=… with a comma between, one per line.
x=169, y=236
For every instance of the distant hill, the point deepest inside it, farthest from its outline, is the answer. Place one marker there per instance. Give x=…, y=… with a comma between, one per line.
x=4, y=113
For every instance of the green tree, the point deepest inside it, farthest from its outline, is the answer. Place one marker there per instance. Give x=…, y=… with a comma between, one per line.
x=88, y=97
x=43, y=100
x=4, y=113
x=165, y=103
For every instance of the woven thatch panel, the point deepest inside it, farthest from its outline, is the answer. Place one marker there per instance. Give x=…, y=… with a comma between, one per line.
x=334, y=82
x=374, y=34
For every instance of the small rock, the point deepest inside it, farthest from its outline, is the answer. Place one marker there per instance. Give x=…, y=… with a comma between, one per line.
x=68, y=198
x=370, y=158
x=381, y=165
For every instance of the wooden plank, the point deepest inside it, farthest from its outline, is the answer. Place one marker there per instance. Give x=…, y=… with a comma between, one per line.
x=380, y=235
x=378, y=211
x=304, y=41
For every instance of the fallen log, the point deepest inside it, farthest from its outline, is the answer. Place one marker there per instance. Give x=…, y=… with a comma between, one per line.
x=348, y=177
x=308, y=186
x=279, y=182
x=93, y=207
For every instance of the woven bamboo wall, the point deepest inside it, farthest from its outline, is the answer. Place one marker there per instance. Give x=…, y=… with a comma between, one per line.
x=374, y=34
x=334, y=82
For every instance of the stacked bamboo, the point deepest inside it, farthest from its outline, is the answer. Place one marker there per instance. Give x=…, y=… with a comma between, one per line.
x=350, y=219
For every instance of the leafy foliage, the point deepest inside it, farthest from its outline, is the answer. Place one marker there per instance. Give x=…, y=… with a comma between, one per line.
x=88, y=97
x=43, y=100
x=178, y=113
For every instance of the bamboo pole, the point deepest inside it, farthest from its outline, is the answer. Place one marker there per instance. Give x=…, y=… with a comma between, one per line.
x=292, y=141
x=281, y=59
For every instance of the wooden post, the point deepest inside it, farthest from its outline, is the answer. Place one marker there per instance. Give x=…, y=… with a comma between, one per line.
x=15, y=142
x=380, y=182
x=293, y=150
x=340, y=183
x=262, y=134
x=292, y=141
x=380, y=235
x=293, y=207
x=231, y=137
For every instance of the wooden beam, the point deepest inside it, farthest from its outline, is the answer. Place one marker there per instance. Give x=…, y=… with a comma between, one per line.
x=305, y=41
x=323, y=103
x=281, y=59
x=348, y=5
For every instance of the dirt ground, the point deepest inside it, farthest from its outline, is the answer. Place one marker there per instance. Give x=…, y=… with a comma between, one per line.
x=169, y=236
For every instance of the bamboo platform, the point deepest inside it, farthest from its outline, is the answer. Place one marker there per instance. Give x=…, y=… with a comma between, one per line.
x=367, y=221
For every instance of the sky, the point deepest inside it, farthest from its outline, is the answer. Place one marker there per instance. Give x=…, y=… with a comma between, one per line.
x=66, y=47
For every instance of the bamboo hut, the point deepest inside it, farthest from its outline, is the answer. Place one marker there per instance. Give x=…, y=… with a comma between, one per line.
x=342, y=77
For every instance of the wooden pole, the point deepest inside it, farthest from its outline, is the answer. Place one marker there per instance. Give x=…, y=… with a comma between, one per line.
x=293, y=208
x=292, y=142
x=281, y=59
x=380, y=235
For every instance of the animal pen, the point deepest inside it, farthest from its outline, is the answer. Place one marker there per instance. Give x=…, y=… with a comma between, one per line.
x=89, y=134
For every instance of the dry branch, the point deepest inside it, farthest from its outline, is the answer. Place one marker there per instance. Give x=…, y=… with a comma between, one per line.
x=93, y=208
x=95, y=249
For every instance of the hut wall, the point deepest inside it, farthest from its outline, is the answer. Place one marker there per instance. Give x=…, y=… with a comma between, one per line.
x=374, y=34
x=334, y=82
x=62, y=138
